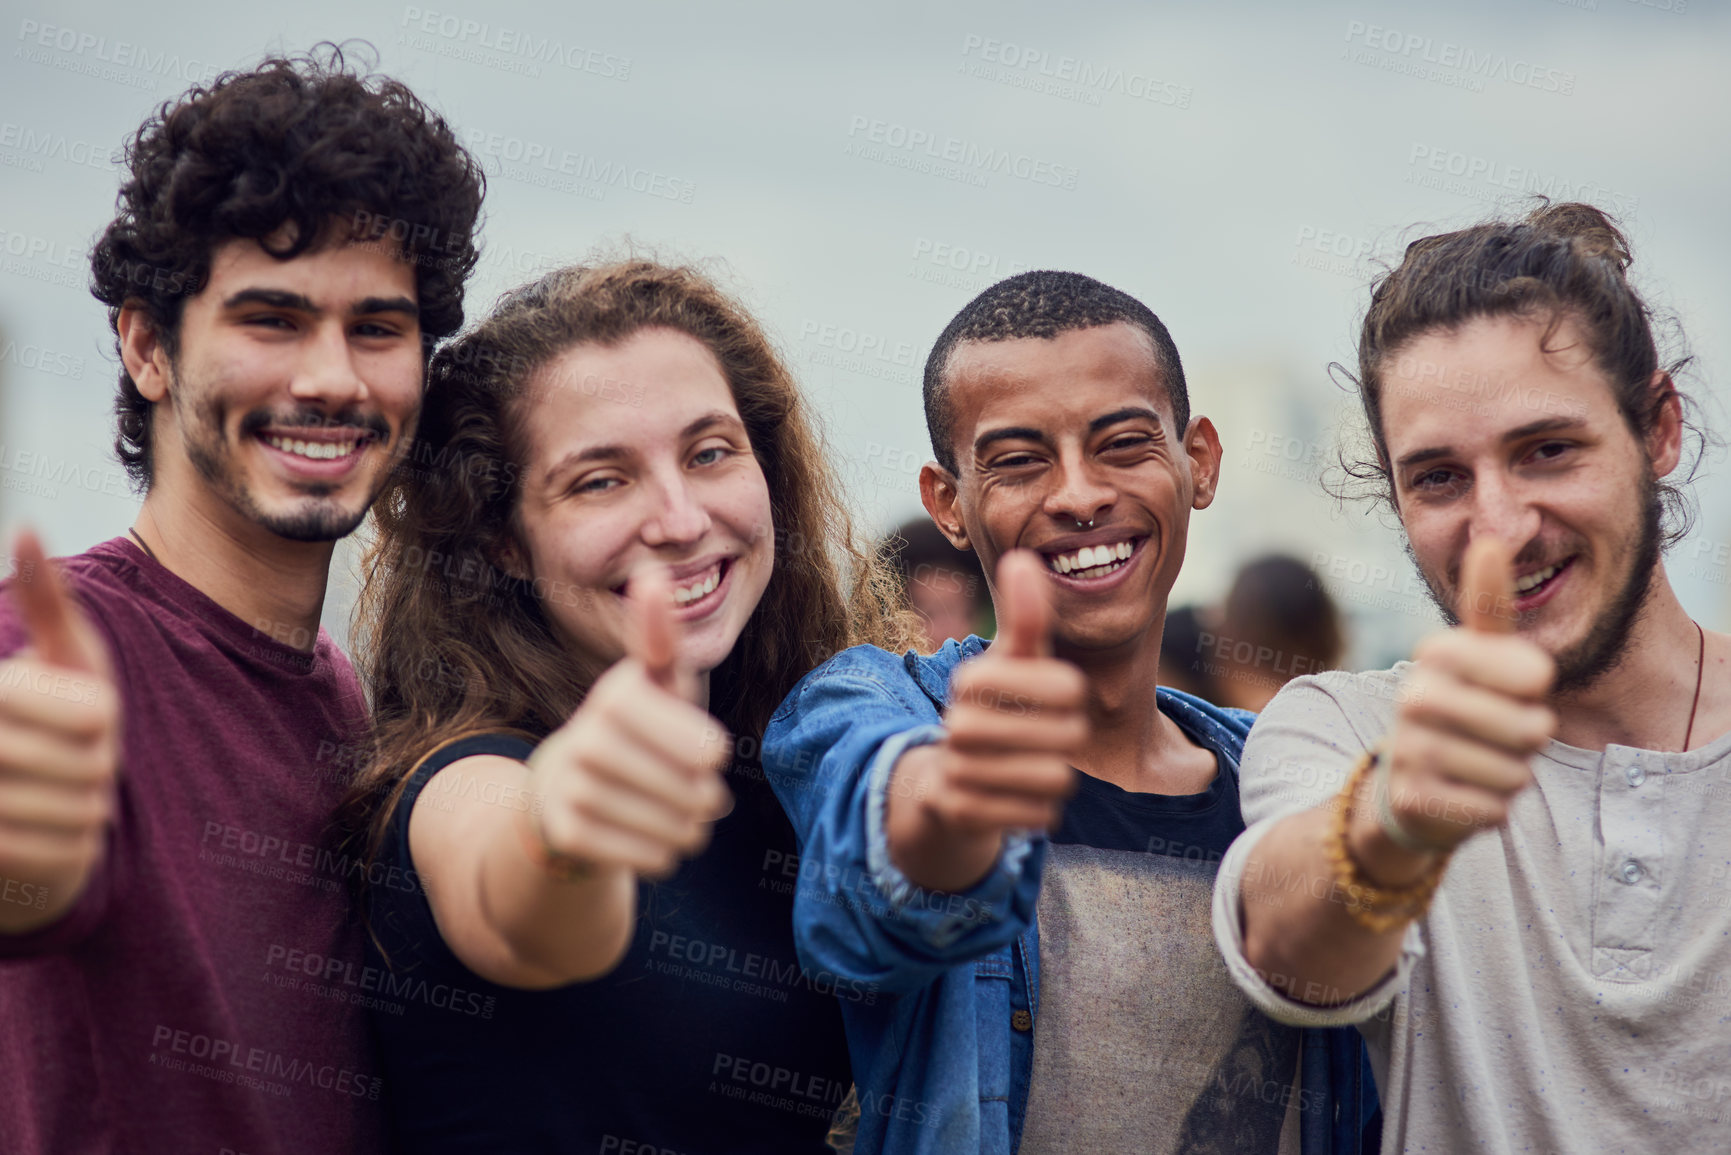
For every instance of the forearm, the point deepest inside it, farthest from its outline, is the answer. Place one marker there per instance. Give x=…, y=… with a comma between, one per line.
x=1299, y=932
x=555, y=931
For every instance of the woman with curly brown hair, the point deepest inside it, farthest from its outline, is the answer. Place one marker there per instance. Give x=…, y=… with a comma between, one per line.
x=615, y=535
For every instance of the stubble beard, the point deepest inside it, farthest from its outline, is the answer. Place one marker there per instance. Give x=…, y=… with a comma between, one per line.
x=316, y=516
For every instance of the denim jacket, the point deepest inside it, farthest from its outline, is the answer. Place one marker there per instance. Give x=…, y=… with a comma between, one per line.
x=942, y=1048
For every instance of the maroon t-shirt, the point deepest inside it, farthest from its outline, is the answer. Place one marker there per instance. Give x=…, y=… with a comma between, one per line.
x=193, y=999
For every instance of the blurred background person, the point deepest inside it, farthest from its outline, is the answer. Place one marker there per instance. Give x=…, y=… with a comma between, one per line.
x=1181, y=659
x=943, y=584
x=1277, y=622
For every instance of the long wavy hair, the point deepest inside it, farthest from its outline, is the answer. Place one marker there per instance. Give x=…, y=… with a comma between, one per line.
x=451, y=643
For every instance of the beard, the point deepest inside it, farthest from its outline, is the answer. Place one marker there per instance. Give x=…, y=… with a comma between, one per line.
x=1607, y=641
x=317, y=513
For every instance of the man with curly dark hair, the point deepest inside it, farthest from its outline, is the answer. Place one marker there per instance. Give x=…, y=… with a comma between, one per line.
x=178, y=966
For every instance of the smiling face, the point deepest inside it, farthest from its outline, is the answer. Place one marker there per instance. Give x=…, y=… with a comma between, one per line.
x=636, y=453
x=1488, y=434
x=294, y=386
x=1052, y=434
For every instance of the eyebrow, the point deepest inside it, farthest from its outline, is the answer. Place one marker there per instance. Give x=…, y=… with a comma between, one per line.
x=1026, y=433
x=1128, y=413
x=1531, y=428
x=301, y=303
x=620, y=452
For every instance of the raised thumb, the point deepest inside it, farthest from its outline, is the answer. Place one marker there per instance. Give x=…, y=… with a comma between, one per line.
x=52, y=620
x=1488, y=587
x=1024, y=610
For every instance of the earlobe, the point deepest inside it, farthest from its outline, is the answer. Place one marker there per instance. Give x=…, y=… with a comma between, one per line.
x=1665, y=440
x=1202, y=443
x=940, y=494
x=142, y=353
x=508, y=556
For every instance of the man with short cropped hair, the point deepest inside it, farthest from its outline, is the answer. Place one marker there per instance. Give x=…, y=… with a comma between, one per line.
x=175, y=728
x=1045, y=992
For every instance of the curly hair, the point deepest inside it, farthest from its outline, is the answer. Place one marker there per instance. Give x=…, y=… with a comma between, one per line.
x=1560, y=262
x=303, y=142
x=451, y=643
x=1042, y=304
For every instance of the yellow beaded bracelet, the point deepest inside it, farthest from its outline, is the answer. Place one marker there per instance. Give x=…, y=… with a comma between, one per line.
x=1376, y=908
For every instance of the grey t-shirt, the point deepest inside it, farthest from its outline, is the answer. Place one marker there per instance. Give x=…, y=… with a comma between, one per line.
x=1142, y=1043
x=1570, y=989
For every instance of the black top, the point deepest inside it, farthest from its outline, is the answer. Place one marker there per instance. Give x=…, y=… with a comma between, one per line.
x=708, y=1037
x=1195, y=827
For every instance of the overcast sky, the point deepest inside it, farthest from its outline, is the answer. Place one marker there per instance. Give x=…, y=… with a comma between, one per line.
x=857, y=175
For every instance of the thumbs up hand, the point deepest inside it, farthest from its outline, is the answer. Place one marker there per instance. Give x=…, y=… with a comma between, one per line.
x=633, y=778
x=59, y=744
x=1015, y=723
x=1472, y=715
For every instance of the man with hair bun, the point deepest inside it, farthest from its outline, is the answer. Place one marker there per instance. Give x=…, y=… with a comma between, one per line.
x=178, y=967
x=1506, y=860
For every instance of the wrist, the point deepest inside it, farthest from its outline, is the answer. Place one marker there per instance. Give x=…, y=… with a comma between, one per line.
x=1381, y=858
x=532, y=838
x=939, y=858
x=931, y=851
x=1378, y=904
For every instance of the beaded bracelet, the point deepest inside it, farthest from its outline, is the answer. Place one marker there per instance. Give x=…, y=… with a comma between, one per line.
x=1376, y=908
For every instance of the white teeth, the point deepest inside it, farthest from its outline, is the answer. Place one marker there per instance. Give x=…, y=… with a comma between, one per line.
x=1090, y=558
x=312, y=450
x=684, y=595
x=1535, y=579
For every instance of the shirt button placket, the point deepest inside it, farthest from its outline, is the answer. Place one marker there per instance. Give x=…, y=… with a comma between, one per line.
x=1630, y=821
